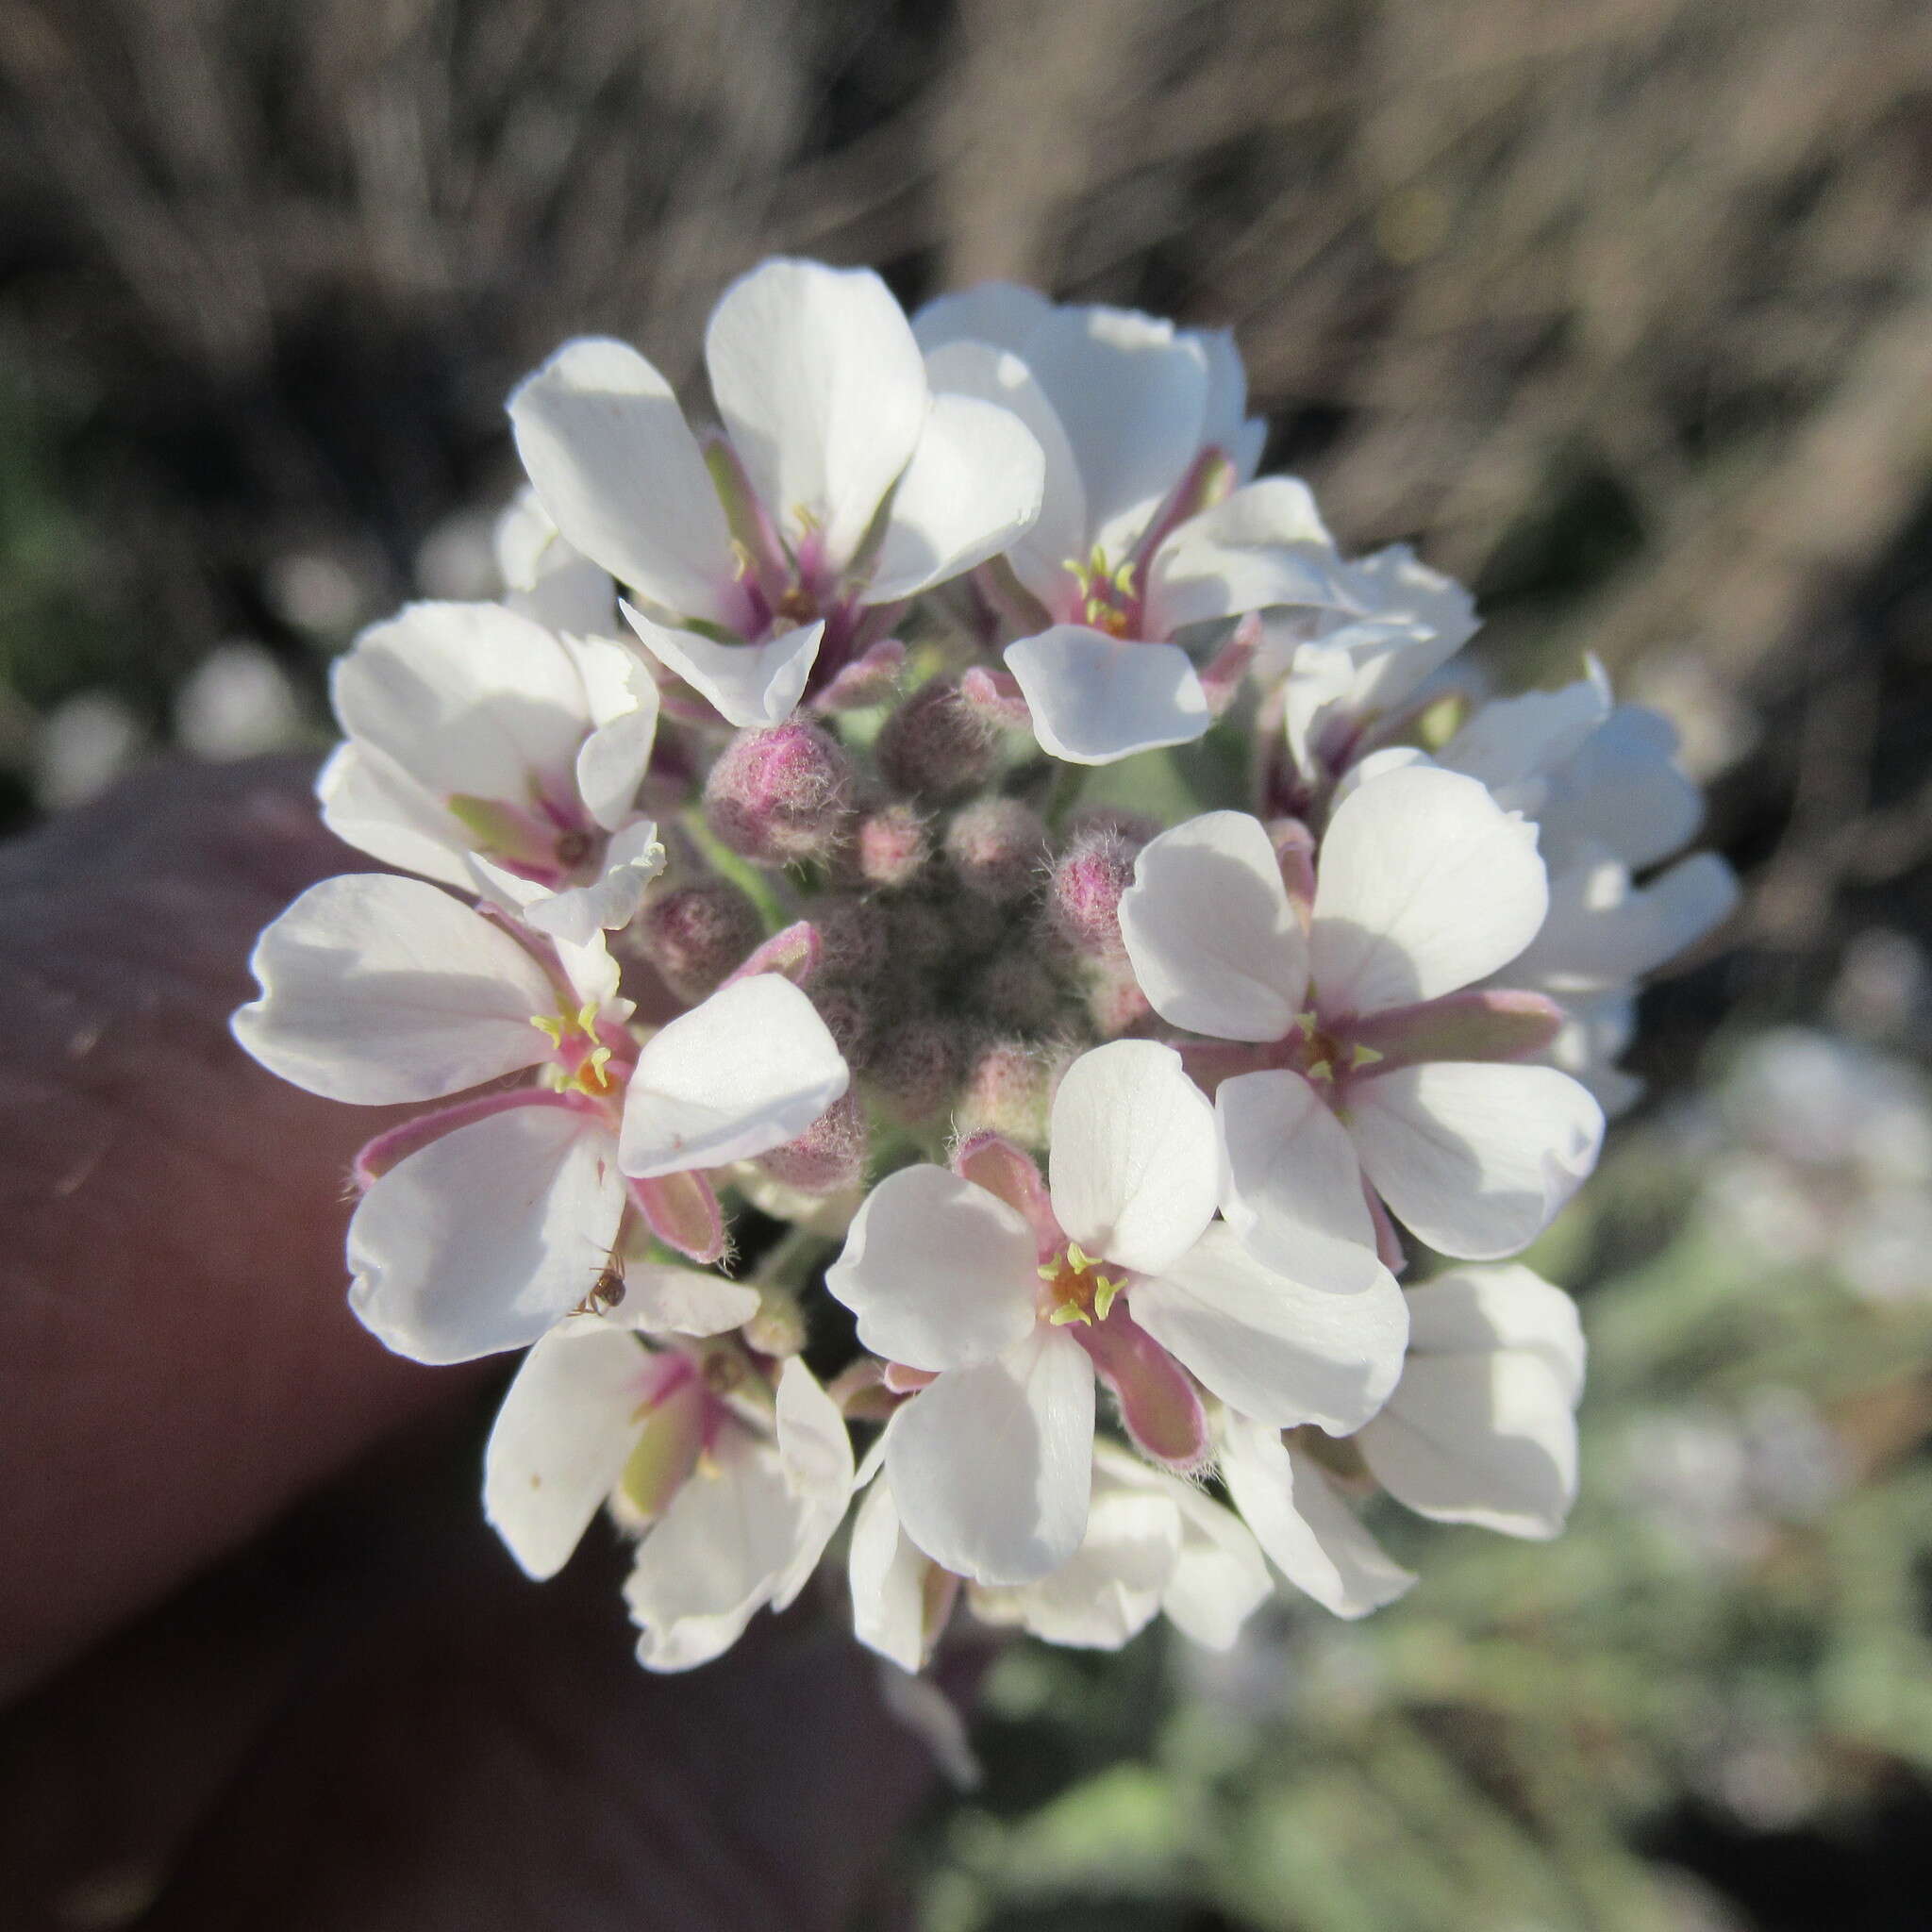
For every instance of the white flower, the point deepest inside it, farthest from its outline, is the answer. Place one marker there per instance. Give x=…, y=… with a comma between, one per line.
x=1353, y=666
x=1302, y=1519
x=844, y=485
x=1482, y=1426
x=1600, y=782
x=1367, y=1059
x=1153, y=1543
x=487, y=752
x=1142, y=430
x=738, y=1497
x=1000, y=1293
x=549, y=580
x=486, y=1223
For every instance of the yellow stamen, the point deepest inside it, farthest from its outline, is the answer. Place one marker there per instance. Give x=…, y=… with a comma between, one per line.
x=1359, y=1056
x=1069, y=1312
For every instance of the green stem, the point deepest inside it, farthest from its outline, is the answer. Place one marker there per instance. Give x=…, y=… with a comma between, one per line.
x=758, y=886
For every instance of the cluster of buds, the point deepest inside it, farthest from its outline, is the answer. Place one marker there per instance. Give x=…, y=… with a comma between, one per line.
x=783, y=971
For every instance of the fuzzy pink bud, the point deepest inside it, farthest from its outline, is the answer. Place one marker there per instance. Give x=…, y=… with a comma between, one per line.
x=891, y=846
x=695, y=934
x=1084, y=900
x=1007, y=1091
x=914, y=1067
x=1114, y=999
x=1019, y=989
x=996, y=847
x=828, y=1156
x=854, y=937
x=780, y=794
x=935, y=746
x=848, y=1017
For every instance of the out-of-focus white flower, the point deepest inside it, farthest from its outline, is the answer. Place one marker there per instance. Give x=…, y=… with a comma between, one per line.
x=1000, y=1293
x=1717, y=1485
x=81, y=746
x=1136, y=541
x=236, y=703
x=737, y=1493
x=1153, y=1544
x=1367, y=1058
x=485, y=1223
x=1829, y=1161
x=487, y=751
x=843, y=484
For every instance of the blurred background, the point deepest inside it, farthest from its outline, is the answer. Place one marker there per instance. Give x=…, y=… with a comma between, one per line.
x=1622, y=311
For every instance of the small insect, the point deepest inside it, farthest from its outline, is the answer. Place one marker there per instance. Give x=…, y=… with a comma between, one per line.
x=606, y=1291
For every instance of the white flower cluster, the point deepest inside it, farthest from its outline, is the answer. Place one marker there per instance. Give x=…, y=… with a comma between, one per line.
x=772, y=879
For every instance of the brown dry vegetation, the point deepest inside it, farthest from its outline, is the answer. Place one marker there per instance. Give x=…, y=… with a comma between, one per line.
x=1621, y=308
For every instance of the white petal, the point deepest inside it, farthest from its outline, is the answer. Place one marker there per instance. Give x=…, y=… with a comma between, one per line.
x=971, y=489
x=705, y=1570
x=815, y=1452
x=1225, y=421
x=466, y=698
x=566, y=1427
x=487, y=1237
x=1210, y=932
x=746, y=1072
x=747, y=685
x=1194, y=579
x=1623, y=791
x=1135, y=1168
x=579, y=914
x=1110, y=1589
x=669, y=1300
x=1131, y=394
x=1271, y=1347
x=1424, y=884
x=1097, y=699
x=1002, y=313
x=371, y=804
x=1483, y=1439
x=612, y=760
x=1220, y=1575
x=1310, y=1534
x=621, y=474
x=1604, y=932
x=990, y=1466
x=823, y=389
x=1512, y=742
x=1477, y=1310
x=1293, y=1187
x=888, y=1576
x=997, y=375
x=939, y=1271
x=1476, y=1158
x=375, y=990
x=1394, y=583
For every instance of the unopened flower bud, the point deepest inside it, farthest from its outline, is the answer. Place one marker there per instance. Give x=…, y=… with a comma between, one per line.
x=914, y=1068
x=891, y=845
x=848, y=1017
x=995, y=847
x=695, y=934
x=1084, y=899
x=854, y=937
x=917, y=938
x=828, y=1156
x=1007, y=1091
x=935, y=746
x=1017, y=990
x=778, y=1327
x=779, y=794
x=1114, y=999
